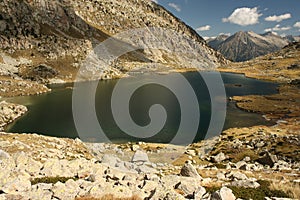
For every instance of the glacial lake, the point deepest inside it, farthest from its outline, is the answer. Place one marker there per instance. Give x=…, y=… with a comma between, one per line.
x=51, y=114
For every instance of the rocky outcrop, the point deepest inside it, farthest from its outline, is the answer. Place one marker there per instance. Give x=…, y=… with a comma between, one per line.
x=10, y=112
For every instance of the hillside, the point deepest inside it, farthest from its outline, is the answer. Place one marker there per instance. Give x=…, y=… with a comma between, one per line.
x=244, y=46
x=47, y=41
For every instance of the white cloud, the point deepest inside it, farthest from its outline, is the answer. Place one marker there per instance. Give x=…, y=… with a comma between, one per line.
x=208, y=38
x=155, y=1
x=244, y=16
x=297, y=25
x=226, y=34
x=278, y=28
x=278, y=18
x=175, y=6
x=204, y=28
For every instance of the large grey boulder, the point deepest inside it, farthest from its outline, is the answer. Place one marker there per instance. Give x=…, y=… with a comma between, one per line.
x=189, y=171
x=223, y=194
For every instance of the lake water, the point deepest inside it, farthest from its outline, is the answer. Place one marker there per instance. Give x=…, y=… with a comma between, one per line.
x=51, y=114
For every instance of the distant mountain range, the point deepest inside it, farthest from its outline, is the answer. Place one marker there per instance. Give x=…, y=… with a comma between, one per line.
x=244, y=46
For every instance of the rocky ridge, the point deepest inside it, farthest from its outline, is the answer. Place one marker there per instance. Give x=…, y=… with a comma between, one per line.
x=244, y=46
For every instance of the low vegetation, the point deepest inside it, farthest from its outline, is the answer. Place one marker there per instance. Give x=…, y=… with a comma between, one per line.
x=265, y=190
x=51, y=180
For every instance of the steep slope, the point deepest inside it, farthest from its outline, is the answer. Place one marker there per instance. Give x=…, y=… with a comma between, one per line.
x=49, y=39
x=244, y=46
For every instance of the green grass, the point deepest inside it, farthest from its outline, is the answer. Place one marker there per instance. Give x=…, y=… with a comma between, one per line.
x=253, y=193
x=51, y=180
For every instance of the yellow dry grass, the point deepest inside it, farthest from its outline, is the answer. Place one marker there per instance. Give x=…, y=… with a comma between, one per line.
x=290, y=188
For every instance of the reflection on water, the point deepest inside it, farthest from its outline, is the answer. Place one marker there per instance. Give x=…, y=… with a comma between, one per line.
x=51, y=114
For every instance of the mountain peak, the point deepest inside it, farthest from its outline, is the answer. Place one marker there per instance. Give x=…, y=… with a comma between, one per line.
x=245, y=45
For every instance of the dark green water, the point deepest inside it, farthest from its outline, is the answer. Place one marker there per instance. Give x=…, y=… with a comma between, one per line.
x=51, y=114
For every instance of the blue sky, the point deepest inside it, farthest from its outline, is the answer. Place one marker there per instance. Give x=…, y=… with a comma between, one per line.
x=212, y=17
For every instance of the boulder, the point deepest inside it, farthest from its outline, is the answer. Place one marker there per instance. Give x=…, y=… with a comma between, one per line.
x=218, y=158
x=221, y=176
x=110, y=160
x=268, y=159
x=245, y=183
x=200, y=193
x=140, y=156
x=189, y=189
x=188, y=170
x=3, y=155
x=144, y=169
x=17, y=185
x=242, y=165
x=223, y=194
x=69, y=190
x=237, y=176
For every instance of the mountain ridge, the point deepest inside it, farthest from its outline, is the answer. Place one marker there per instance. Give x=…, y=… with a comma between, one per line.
x=246, y=45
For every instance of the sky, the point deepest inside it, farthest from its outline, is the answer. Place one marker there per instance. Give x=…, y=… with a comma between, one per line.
x=213, y=17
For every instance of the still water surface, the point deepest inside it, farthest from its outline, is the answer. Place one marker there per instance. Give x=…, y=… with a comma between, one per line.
x=51, y=113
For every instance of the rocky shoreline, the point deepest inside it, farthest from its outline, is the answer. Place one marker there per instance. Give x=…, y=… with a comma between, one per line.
x=40, y=167
x=9, y=112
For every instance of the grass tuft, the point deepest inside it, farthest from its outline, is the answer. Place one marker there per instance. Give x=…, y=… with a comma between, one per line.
x=51, y=180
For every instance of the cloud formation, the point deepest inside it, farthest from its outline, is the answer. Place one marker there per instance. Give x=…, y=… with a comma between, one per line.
x=244, y=16
x=278, y=28
x=175, y=6
x=204, y=28
x=297, y=25
x=278, y=18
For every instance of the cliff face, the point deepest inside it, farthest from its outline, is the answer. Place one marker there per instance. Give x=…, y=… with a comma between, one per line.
x=59, y=34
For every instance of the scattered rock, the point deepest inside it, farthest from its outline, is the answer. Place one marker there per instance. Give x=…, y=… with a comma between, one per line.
x=245, y=183
x=237, y=176
x=188, y=170
x=268, y=159
x=223, y=194
x=218, y=158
